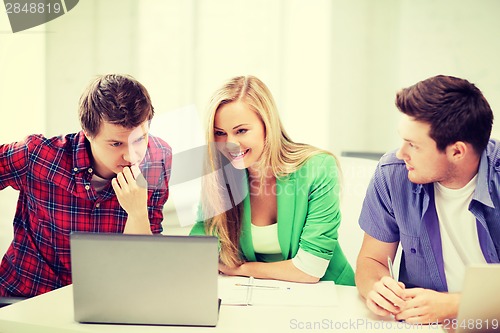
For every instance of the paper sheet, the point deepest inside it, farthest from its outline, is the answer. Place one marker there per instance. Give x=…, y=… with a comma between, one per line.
x=249, y=291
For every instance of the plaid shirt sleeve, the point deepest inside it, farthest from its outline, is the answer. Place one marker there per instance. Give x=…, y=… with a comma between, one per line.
x=13, y=164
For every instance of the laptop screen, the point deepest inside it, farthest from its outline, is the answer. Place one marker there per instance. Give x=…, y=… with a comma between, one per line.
x=480, y=302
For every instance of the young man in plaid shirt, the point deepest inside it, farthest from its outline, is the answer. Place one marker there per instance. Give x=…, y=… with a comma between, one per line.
x=110, y=177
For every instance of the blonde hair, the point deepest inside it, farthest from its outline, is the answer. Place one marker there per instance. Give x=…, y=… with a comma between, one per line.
x=282, y=155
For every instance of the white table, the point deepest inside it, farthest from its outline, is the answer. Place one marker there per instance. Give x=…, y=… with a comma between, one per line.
x=53, y=313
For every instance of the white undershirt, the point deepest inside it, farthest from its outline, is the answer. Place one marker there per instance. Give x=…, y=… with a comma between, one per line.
x=99, y=183
x=265, y=241
x=458, y=229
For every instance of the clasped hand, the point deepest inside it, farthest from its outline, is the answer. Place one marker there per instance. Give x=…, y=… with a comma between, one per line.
x=413, y=305
x=131, y=190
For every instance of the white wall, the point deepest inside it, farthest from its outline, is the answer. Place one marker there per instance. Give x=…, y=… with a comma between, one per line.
x=333, y=66
x=96, y=37
x=22, y=101
x=458, y=38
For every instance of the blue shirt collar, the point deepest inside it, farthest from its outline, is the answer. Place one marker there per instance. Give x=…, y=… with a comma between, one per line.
x=482, y=193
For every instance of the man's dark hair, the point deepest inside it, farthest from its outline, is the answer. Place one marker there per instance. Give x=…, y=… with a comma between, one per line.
x=455, y=109
x=117, y=99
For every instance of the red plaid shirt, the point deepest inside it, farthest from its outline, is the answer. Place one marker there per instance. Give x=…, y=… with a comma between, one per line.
x=56, y=197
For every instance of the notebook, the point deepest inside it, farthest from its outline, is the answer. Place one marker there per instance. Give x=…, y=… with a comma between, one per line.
x=479, y=309
x=144, y=279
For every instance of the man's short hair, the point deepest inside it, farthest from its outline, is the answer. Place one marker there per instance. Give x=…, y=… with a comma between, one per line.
x=117, y=99
x=455, y=109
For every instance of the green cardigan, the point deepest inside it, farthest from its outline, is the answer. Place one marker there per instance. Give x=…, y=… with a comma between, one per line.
x=308, y=217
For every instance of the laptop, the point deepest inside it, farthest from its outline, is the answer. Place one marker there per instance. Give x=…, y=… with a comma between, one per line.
x=145, y=279
x=479, y=309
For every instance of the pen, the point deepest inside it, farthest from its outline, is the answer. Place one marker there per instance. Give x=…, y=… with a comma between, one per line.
x=256, y=286
x=249, y=291
x=389, y=264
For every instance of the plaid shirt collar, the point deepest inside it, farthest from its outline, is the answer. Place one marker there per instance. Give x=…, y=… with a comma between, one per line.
x=81, y=156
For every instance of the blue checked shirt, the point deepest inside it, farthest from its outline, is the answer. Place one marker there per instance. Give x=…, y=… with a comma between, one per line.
x=396, y=209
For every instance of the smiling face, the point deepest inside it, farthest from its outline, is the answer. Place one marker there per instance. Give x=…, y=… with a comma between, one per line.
x=115, y=147
x=239, y=134
x=425, y=163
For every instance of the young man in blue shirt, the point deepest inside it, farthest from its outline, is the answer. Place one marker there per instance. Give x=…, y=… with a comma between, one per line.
x=438, y=196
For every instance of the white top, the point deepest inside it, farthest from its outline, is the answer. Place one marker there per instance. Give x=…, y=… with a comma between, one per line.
x=458, y=229
x=265, y=241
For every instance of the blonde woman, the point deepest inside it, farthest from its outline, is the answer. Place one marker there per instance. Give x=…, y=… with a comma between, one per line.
x=273, y=203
